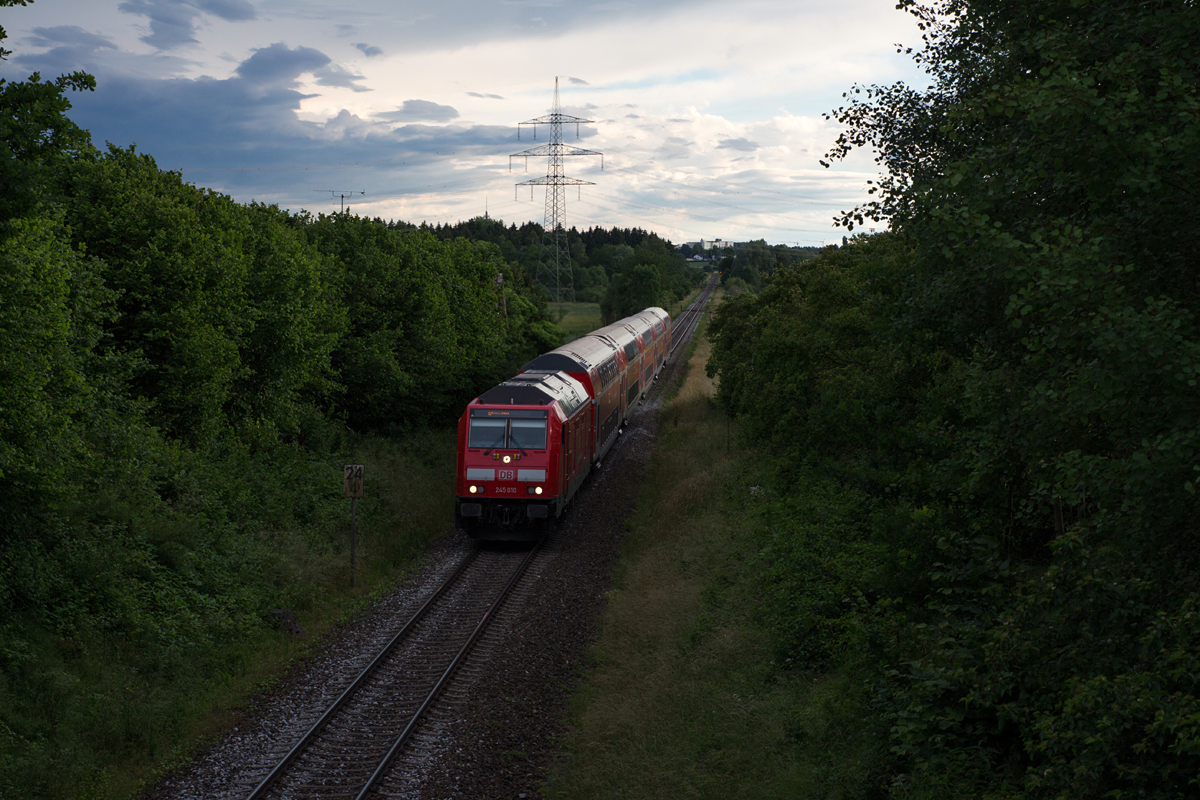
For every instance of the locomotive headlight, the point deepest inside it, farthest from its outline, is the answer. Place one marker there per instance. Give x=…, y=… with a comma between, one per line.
x=474, y=489
x=507, y=459
x=537, y=490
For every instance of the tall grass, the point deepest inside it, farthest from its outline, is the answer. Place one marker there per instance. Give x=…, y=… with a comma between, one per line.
x=683, y=699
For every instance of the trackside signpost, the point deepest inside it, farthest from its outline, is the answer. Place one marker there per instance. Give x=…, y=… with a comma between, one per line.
x=352, y=487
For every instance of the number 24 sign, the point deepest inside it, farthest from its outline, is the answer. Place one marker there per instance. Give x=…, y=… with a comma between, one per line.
x=352, y=480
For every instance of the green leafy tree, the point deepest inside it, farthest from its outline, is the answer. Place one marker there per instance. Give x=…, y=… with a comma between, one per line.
x=634, y=288
x=426, y=323
x=652, y=275
x=35, y=134
x=175, y=253
x=52, y=303
x=1046, y=181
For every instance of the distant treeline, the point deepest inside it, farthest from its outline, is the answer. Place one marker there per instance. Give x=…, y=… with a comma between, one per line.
x=986, y=424
x=623, y=269
x=752, y=263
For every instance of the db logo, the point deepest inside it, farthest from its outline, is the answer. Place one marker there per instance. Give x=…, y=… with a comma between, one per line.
x=506, y=474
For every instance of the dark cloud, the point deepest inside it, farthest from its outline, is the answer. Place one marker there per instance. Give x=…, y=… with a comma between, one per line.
x=420, y=110
x=173, y=22
x=279, y=65
x=69, y=35
x=744, y=145
x=486, y=96
x=242, y=135
x=369, y=50
x=71, y=47
x=578, y=81
x=232, y=10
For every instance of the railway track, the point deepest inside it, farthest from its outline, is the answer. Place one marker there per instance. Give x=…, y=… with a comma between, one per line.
x=350, y=749
x=685, y=324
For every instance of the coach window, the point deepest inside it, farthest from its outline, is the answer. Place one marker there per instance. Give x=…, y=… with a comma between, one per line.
x=528, y=434
x=487, y=433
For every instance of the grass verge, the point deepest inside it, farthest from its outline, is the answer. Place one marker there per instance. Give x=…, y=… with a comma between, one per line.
x=682, y=698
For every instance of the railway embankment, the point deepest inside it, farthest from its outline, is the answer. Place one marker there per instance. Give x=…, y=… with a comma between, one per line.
x=683, y=695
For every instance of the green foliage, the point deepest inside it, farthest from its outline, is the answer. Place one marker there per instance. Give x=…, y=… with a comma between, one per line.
x=177, y=371
x=232, y=315
x=1008, y=658
x=52, y=303
x=1019, y=382
x=598, y=257
x=755, y=261
x=428, y=326
x=653, y=274
x=36, y=137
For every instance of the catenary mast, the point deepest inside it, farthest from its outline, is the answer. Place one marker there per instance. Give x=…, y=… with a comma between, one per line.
x=554, y=265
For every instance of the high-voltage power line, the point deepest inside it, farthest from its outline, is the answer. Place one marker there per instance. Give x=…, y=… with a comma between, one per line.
x=554, y=266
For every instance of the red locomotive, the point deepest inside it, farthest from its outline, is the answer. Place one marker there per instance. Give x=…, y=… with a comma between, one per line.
x=526, y=446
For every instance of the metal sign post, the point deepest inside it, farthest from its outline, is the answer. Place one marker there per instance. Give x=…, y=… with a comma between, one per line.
x=352, y=487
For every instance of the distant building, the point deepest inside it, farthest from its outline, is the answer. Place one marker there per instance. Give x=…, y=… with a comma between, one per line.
x=710, y=244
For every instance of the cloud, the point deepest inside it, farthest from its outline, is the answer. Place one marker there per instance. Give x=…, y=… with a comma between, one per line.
x=369, y=50
x=333, y=75
x=232, y=10
x=486, y=96
x=578, y=81
x=420, y=110
x=279, y=65
x=71, y=47
x=674, y=148
x=70, y=35
x=173, y=22
x=243, y=135
x=742, y=144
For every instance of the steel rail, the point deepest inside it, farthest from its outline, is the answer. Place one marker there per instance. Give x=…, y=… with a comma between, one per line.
x=316, y=728
x=382, y=769
x=691, y=317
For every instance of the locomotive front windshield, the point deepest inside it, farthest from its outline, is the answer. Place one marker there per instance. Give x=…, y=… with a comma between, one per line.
x=488, y=433
x=527, y=434
x=504, y=434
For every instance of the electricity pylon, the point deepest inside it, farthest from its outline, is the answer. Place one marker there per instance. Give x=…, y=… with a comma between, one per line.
x=554, y=266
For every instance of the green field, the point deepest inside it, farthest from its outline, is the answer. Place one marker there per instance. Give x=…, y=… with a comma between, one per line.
x=576, y=318
x=580, y=318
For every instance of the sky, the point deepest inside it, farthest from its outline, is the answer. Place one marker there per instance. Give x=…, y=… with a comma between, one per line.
x=710, y=115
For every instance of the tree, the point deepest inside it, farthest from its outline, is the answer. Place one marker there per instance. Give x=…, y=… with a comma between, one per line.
x=35, y=133
x=1046, y=180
